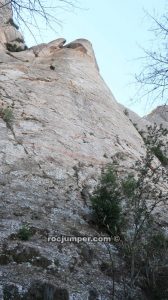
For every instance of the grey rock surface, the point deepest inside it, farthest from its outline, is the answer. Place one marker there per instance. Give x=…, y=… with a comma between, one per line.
x=141, y=122
x=159, y=116
x=66, y=126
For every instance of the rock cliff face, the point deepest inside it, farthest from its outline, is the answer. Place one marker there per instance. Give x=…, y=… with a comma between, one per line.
x=59, y=125
x=66, y=125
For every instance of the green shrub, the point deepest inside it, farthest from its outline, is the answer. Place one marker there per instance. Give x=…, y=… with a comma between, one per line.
x=160, y=155
x=155, y=141
x=106, y=201
x=121, y=206
x=7, y=115
x=24, y=233
x=129, y=185
x=157, y=243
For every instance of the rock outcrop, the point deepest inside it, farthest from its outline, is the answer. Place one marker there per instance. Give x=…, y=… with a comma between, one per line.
x=66, y=126
x=59, y=125
x=159, y=116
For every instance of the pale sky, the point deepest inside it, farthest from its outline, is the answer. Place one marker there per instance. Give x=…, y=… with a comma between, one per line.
x=116, y=30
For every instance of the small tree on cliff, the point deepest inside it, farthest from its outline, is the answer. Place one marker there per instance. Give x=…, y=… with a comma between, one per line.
x=126, y=206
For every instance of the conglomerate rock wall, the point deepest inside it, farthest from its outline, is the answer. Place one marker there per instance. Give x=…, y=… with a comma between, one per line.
x=62, y=125
x=66, y=126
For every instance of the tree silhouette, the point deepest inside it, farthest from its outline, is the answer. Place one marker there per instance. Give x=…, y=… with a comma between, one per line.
x=31, y=13
x=153, y=78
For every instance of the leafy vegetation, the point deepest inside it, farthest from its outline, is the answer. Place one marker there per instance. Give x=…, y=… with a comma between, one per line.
x=7, y=115
x=126, y=205
x=155, y=139
x=106, y=201
x=24, y=233
x=160, y=155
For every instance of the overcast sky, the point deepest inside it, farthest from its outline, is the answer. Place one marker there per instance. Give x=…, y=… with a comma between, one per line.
x=116, y=30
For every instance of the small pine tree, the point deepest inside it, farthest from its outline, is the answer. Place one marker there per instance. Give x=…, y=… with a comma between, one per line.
x=7, y=115
x=106, y=201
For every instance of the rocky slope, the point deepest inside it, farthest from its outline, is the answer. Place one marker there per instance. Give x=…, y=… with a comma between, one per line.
x=159, y=116
x=62, y=126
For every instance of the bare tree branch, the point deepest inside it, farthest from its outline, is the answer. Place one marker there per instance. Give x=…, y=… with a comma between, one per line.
x=31, y=13
x=153, y=78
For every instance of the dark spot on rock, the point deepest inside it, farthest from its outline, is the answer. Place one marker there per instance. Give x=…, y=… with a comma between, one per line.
x=106, y=268
x=77, y=46
x=24, y=254
x=4, y=259
x=60, y=246
x=87, y=254
x=52, y=67
x=85, y=195
x=93, y=295
x=41, y=261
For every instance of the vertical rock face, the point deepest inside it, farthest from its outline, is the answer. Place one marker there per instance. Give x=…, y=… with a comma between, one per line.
x=61, y=126
x=10, y=37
